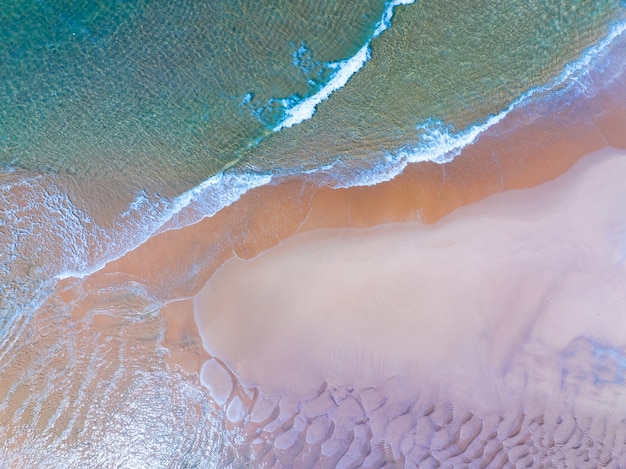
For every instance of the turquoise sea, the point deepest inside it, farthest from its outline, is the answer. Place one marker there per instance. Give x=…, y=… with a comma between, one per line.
x=121, y=118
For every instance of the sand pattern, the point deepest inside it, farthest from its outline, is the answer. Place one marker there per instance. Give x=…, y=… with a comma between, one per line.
x=548, y=394
x=345, y=427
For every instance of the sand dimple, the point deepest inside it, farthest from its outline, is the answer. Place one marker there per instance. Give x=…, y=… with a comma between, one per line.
x=217, y=380
x=433, y=433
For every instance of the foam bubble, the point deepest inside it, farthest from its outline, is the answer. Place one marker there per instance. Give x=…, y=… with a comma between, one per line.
x=148, y=215
x=211, y=196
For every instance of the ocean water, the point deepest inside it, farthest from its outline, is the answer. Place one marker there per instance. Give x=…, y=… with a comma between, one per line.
x=120, y=119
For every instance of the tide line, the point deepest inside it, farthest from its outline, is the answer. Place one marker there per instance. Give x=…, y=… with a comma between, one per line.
x=441, y=144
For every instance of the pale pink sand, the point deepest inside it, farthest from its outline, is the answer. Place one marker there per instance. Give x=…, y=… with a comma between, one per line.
x=451, y=306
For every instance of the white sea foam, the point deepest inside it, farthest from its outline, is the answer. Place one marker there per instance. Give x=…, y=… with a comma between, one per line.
x=385, y=21
x=210, y=197
x=344, y=70
x=41, y=232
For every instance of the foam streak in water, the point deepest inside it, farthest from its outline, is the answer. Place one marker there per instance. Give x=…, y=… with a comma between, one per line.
x=344, y=71
x=210, y=197
x=441, y=143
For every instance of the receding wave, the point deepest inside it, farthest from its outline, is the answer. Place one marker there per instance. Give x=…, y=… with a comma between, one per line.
x=439, y=143
x=147, y=216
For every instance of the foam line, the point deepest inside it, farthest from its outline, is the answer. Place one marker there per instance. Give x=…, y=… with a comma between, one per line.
x=441, y=144
x=344, y=71
x=204, y=200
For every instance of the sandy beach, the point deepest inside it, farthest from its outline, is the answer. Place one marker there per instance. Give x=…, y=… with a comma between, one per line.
x=350, y=387
x=510, y=257
x=493, y=257
x=313, y=235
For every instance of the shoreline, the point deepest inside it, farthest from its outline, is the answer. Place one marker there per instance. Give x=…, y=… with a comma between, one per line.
x=197, y=202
